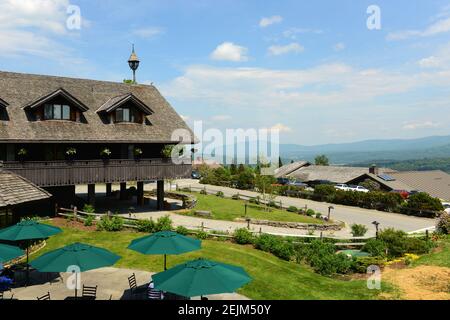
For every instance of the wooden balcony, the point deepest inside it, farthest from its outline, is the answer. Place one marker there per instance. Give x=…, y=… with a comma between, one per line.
x=63, y=173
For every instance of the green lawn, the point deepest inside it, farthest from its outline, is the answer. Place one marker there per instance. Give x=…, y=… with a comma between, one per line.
x=272, y=278
x=228, y=209
x=440, y=257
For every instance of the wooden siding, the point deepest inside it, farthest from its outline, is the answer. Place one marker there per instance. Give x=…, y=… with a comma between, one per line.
x=62, y=173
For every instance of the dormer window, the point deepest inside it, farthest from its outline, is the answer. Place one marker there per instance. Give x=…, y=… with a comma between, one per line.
x=125, y=115
x=125, y=108
x=58, y=105
x=57, y=112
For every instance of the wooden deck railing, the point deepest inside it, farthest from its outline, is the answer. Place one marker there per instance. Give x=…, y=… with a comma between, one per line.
x=63, y=173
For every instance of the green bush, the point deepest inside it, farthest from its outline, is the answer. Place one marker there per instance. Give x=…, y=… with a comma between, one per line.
x=202, y=235
x=418, y=246
x=147, y=226
x=361, y=264
x=310, y=212
x=375, y=247
x=318, y=215
x=220, y=194
x=265, y=242
x=423, y=201
x=443, y=224
x=110, y=224
x=243, y=236
x=292, y=209
x=359, y=230
x=324, y=192
x=283, y=250
x=163, y=224
x=182, y=230
x=395, y=242
x=89, y=221
x=88, y=208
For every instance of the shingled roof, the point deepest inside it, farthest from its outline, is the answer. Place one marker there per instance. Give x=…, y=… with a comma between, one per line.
x=15, y=190
x=21, y=90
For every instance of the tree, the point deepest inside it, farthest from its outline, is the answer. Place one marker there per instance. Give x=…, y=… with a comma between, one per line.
x=322, y=160
x=280, y=163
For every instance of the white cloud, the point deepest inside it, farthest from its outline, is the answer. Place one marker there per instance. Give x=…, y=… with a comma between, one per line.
x=220, y=117
x=267, y=21
x=442, y=25
x=47, y=15
x=281, y=128
x=292, y=33
x=290, y=48
x=148, y=32
x=440, y=59
x=430, y=62
x=339, y=46
x=229, y=51
x=415, y=125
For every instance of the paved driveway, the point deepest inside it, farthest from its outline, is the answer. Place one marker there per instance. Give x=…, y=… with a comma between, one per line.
x=347, y=214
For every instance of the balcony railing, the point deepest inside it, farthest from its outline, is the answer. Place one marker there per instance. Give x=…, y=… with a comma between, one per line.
x=63, y=173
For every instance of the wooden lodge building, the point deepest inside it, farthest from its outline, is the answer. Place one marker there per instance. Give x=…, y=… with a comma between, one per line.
x=57, y=132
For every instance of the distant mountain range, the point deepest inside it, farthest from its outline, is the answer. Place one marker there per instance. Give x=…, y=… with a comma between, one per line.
x=371, y=150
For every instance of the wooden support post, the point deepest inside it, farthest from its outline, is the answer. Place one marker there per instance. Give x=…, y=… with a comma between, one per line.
x=91, y=194
x=140, y=193
x=123, y=190
x=160, y=195
x=75, y=213
x=108, y=189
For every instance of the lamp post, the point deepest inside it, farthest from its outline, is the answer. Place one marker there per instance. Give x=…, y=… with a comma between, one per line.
x=133, y=62
x=376, y=224
x=329, y=212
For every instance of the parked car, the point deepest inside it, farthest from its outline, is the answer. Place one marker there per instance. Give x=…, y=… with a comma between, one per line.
x=195, y=175
x=404, y=194
x=446, y=206
x=342, y=186
x=297, y=184
x=358, y=189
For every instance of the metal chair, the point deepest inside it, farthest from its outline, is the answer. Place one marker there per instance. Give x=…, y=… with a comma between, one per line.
x=134, y=289
x=44, y=297
x=89, y=292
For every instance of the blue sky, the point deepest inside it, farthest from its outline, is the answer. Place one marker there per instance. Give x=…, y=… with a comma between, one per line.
x=310, y=68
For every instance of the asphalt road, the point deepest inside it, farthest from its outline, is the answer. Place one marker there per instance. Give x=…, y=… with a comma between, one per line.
x=347, y=214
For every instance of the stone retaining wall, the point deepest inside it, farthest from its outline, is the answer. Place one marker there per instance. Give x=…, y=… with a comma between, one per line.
x=295, y=225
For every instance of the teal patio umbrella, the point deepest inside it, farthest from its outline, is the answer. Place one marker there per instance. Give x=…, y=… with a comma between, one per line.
x=201, y=277
x=8, y=252
x=28, y=230
x=165, y=242
x=82, y=256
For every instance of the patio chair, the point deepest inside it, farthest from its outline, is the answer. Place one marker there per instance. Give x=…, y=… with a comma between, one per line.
x=44, y=297
x=134, y=289
x=89, y=292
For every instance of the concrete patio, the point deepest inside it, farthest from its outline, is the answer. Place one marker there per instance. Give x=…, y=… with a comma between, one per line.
x=112, y=284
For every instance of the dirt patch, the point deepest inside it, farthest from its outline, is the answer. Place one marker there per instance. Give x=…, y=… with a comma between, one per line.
x=65, y=223
x=420, y=283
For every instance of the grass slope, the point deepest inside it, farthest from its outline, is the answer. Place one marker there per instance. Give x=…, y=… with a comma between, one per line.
x=272, y=278
x=228, y=209
x=440, y=257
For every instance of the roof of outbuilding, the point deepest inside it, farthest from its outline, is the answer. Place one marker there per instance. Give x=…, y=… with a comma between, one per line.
x=15, y=189
x=285, y=170
x=436, y=182
x=21, y=90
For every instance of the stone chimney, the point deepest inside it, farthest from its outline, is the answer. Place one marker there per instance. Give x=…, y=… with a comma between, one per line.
x=373, y=169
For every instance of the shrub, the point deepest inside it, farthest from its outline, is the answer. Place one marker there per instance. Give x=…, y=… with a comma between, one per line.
x=147, y=226
x=235, y=196
x=443, y=224
x=324, y=192
x=375, y=247
x=163, y=224
x=243, y=236
x=265, y=242
x=283, y=250
x=395, y=242
x=292, y=209
x=89, y=221
x=359, y=230
x=202, y=235
x=362, y=263
x=88, y=208
x=418, y=246
x=310, y=212
x=220, y=194
x=318, y=215
x=110, y=224
x=182, y=230
x=423, y=201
